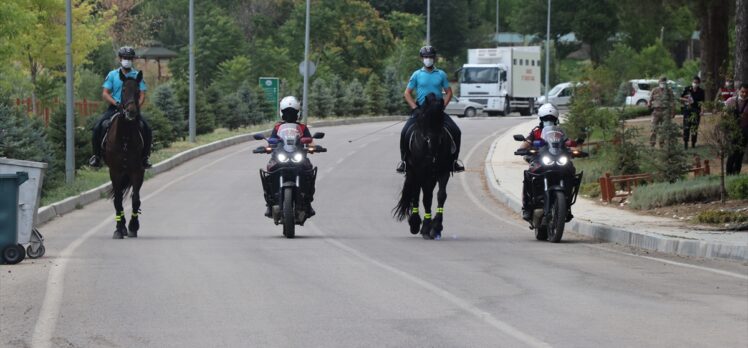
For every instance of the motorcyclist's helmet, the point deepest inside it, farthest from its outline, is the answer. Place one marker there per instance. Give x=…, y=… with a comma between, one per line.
x=289, y=109
x=548, y=114
x=427, y=52
x=126, y=52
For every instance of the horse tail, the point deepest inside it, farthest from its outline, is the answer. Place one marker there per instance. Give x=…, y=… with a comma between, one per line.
x=409, y=192
x=125, y=185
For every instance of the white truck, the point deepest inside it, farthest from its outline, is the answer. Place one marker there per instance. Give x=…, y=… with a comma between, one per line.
x=502, y=79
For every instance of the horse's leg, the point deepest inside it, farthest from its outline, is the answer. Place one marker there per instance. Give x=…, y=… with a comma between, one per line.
x=428, y=198
x=134, y=226
x=414, y=220
x=441, y=197
x=119, y=210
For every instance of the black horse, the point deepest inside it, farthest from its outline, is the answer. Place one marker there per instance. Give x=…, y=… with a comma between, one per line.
x=430, y=159
x=123, y=148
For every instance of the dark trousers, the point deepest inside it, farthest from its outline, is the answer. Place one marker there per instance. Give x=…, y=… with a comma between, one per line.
x=449, y=123
x=735, y=160
x=691, y=121
x=98, y=132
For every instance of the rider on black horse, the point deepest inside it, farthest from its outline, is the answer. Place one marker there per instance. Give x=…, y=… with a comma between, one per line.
x=289, y=112
x=428, y=80
x=113, y=95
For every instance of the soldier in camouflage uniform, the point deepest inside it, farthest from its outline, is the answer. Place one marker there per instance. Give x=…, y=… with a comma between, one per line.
x=662, y=103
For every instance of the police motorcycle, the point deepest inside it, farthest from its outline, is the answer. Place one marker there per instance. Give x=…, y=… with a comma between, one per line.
x=289, y=176
x=553, y=181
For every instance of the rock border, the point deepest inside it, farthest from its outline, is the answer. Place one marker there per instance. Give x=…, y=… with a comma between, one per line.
x=50, y=212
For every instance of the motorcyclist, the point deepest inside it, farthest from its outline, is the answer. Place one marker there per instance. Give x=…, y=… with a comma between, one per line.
x=290, y=113
x=112, y=94
x=428, y=80
x=548, y=115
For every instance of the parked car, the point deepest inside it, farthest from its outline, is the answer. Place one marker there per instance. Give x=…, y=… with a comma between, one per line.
x=559, y=95
x=640, y=91
x=463, y=108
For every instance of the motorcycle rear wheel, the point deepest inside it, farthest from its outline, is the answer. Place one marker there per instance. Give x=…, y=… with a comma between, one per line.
x=289, y=224
x=558, y=218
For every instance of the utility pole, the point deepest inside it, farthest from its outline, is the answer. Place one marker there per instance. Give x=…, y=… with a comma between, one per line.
x=304, y=103
x=428, y=22
x=69, y=116
x=497, y=23
x=548, y=51
x=192, y=120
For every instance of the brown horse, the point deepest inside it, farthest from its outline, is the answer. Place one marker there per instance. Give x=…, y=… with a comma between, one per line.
x=123, y=146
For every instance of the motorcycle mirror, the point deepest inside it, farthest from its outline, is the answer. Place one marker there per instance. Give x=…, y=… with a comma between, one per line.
x=318, y=135
x=306, y=140
x=320, y=149
x=259, y=136
x=538, y=143
x=519, y=137
x=260, y=149
x=273, y=141
x=521, y=152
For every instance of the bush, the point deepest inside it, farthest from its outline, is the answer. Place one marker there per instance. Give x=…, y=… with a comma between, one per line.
x=721, y=217
x=162, y=129
x=737, y=188
x=57, y=137
x=356, y=98
x=701, y=189
x=590, y=189
x=165, y=100
x=672, y=160
x=376, y=96
x=634, y=112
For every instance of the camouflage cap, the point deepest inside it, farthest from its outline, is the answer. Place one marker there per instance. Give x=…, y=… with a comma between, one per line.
x=663, y=78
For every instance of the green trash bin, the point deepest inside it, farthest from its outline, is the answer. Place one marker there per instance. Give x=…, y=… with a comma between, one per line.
x=10, y=251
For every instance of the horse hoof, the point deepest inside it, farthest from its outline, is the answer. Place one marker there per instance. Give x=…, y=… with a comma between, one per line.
x=118, y=234
x=415, y=223
x=132, y=228
x=426, y=236
x=132, y=234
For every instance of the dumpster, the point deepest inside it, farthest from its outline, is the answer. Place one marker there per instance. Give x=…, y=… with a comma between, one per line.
x=10, y=250
x=29, y=195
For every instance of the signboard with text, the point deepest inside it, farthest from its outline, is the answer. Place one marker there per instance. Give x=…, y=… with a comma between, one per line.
x=271, y=86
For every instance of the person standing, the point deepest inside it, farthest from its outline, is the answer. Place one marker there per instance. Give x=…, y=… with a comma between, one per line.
x=662, y=103
x=740, y=104
x=692, y=97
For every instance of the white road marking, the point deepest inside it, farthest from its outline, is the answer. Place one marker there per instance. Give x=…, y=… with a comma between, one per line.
x=454, y=299
x=50, y=309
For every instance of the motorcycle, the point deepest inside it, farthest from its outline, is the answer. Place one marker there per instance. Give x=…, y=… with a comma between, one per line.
x=289, y=175
x=553, y=184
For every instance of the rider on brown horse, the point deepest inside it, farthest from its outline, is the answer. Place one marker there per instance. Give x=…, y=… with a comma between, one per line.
x=113, y=95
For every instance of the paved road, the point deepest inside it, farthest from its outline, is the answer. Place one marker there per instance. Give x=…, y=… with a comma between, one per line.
x=209, y=270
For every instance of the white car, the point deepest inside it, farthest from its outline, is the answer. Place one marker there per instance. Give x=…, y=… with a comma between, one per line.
x=463, y=108
x=640, y=91
x=559, y=95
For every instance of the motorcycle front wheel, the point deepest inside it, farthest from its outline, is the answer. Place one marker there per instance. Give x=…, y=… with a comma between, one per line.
x=289, y=224
x=558, y=217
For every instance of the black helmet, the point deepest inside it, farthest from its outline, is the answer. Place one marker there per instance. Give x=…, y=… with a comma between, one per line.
x=126, y=52
x=428, y=51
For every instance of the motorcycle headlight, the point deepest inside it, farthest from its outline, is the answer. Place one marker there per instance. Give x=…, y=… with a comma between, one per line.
x=563, y=160
x=282, y=157
x=547, y=160
x=297, y=157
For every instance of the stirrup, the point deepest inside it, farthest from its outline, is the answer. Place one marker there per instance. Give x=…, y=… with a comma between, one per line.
x=95, y=161
x=458, y=167
x=401, y=167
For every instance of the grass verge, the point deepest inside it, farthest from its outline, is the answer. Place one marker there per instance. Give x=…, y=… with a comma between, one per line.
x=701, y=189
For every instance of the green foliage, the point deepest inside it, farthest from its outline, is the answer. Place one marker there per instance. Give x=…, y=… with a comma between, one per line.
x=394, y=102
x=737, y=188
x=56, y=137
x=163, y=133
x=594, y=23
x=590, y=189
x=585, y=117
x=339, y=91
x=700, y=189
x=356, y=98
x=628, y=151
x=632, y=112
x=654, y=60
x=376, y=95
x=721, y=217
x=321, y=99
x=672, y=161
x=165, y=101
x=232, y=73
x=88, y=85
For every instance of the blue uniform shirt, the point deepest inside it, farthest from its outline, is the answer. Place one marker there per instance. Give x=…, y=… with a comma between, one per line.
x=114, y=83
x=426, y=82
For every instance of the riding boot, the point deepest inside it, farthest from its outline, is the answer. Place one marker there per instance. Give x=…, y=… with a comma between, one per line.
x=147, y=143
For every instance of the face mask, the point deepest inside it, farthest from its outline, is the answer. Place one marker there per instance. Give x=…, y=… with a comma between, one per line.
x=127, y=64
x=662, y=85
x=428, y=62
x=695, y=85
x=548, y=123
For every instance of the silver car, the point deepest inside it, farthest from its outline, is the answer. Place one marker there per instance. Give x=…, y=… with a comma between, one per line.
x=463, y=108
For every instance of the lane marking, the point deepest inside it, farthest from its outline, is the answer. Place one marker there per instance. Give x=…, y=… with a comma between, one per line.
x=49, y=312
x=454, y=299
x=675, y=263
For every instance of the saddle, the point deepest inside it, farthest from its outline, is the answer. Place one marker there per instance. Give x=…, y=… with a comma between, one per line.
x=106, y=124
x=410, y=134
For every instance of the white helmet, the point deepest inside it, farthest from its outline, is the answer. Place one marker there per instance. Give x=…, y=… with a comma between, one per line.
x=290, y=102
x=547, y=110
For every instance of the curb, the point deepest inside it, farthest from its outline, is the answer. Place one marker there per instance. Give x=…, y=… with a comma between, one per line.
x=600, y=232
x=50, y=212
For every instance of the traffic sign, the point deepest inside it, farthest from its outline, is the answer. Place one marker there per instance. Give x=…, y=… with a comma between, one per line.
x=312, y=68
x=271, y=86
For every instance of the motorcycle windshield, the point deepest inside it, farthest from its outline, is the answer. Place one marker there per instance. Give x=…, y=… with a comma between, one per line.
x=554, y=136
x=289, y=135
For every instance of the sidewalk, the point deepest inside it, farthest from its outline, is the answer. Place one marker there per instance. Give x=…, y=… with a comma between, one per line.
x=504, y=175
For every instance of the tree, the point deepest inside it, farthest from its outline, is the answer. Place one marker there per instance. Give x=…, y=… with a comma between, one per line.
x=43, y=49
x=15, y=19
x=57, y=138
x=741, y=41
x=376, y=96
x=594, y=24
x=340, y=100
x=449, y=27
x=714, y=43
x=724, y=137
x=394, y=103
x=232, y=73
x=165, y=100
x=356, y=98
x=671, y=159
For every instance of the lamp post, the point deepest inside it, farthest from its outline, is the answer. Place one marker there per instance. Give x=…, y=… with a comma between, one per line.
x=192, y=120
x=304, y=104
x=547, y=50
x=428, y=22
x=69, y=119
